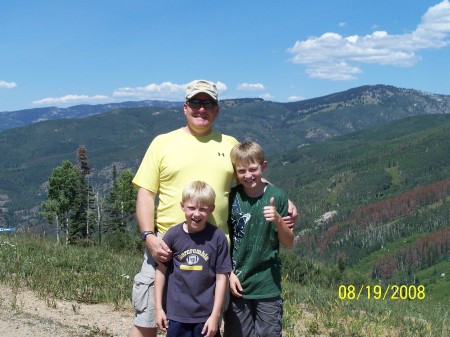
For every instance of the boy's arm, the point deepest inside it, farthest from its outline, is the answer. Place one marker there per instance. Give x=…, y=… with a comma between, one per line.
x=160, y=281
x=292, y=216
x=212, y=323
x=235, y=285
x=285, y=234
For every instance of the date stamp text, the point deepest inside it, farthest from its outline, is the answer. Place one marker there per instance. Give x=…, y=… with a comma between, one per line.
x=378, y=292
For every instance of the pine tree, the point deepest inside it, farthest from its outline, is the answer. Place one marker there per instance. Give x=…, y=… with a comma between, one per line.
x=113, y=211
x=121, y=205
x=83, y=164
x=341, y=264
x=82, y=226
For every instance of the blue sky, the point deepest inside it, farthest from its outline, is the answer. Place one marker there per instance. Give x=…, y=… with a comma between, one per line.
x=64, y=53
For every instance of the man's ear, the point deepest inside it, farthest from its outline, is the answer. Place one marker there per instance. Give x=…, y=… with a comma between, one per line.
x=182, y=205
x=212, y=208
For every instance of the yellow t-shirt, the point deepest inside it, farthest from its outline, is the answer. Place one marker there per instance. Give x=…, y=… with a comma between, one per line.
x=175, y=159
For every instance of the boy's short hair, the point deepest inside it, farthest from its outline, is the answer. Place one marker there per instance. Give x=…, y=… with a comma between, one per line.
x=247, y=152
x=199, y=191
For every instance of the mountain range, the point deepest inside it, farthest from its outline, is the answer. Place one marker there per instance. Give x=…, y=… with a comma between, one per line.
x=335, y=155
x=19, y=118
x=383, y=102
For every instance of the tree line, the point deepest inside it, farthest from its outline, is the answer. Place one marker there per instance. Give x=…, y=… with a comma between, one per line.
x=423, y=211
x=425, y=252
x=371, y=218
x=81, y=213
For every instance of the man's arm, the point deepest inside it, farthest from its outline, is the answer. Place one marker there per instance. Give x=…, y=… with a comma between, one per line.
x=290, y=219
x=145, y=209
x=145, y=212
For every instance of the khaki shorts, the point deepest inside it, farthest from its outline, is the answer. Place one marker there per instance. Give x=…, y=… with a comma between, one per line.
x=143, y=298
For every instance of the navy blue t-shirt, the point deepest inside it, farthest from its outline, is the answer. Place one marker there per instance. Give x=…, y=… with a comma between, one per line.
x=191, y=277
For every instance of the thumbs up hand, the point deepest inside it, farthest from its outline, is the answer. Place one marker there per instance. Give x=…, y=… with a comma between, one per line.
x=270, y=212
x=285, y=234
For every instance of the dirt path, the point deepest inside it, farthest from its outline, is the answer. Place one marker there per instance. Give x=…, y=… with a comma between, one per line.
x=25, y=314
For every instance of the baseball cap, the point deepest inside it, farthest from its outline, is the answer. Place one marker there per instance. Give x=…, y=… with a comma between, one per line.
x=198, y=86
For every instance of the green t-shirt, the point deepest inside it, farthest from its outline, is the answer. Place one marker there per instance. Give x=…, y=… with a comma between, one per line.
x=255, y=245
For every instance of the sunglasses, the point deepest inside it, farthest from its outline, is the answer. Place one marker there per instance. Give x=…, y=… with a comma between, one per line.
x=197, y=103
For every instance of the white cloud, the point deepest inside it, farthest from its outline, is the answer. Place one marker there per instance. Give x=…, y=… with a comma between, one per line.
x=340, y=71
x=7, y=85
x=70, y=99
x=332, y=56
x=251, y=86
x=295, y=98
x=266, y=96
x=221, y=87
x=163, y=91
x=166, y=90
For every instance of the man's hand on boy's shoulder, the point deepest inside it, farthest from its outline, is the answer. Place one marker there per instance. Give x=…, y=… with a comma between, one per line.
x=292, y=216
x=158, y=249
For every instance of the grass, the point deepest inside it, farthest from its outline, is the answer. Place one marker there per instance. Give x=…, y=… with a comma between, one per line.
x=97, y=275
x=311, y=310
x=437, y=281
x=84, y=274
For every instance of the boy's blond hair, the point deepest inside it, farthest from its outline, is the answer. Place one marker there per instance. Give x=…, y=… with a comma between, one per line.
x=247, y=152
x=199, y=191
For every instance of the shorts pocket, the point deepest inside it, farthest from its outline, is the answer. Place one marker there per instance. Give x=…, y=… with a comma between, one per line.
x=141, y=291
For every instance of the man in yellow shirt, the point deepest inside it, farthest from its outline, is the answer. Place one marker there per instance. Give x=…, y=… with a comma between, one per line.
x=194, y=152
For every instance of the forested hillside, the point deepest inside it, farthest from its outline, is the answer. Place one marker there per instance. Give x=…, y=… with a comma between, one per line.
x=359, y=194
x=364, y=175
x=121, y=136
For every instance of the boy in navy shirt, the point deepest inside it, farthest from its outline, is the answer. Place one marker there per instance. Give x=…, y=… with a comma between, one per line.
x=197, y=275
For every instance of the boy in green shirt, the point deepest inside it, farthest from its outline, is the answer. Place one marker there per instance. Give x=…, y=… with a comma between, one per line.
x=256, y=229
